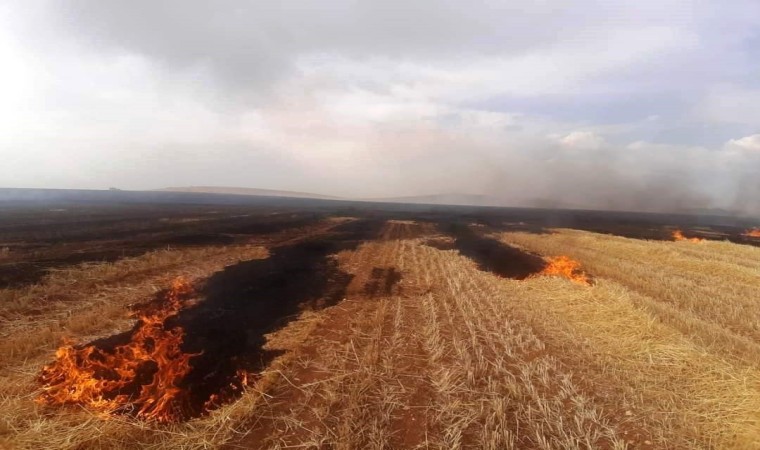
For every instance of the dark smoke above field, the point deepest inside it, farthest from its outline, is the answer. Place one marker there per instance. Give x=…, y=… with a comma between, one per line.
x=651, y=105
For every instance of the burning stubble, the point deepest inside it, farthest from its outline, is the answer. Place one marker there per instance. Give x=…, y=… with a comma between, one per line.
x=564, y=266
x=678, y=236
x=141, y=378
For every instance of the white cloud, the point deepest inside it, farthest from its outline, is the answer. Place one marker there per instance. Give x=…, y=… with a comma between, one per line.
x=582, y=140
x=745, y=145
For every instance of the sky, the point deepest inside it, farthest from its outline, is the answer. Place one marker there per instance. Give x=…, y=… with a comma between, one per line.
x=650, y=105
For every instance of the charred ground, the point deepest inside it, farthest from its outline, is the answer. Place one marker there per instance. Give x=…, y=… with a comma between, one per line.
x=36, y=236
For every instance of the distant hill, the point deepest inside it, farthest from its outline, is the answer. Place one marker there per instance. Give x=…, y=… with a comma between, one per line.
x=442, y=199
x=246, y=191
x=433, y=199
x=452, y=198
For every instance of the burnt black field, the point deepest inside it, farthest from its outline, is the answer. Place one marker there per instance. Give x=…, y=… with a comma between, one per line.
x=49, y=229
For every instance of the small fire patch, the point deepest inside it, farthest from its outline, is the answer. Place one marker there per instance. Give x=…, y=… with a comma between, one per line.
x=566, y=267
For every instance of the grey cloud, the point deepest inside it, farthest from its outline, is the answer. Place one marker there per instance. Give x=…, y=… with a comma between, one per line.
x=250, y=43
x=383, y=98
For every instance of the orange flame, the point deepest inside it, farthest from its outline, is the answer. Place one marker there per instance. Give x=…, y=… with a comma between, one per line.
x=678, y=236
x=141, y=376
x=753, y=232
x=564, y=266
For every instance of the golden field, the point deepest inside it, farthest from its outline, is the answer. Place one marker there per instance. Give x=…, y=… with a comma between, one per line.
x=427, y=350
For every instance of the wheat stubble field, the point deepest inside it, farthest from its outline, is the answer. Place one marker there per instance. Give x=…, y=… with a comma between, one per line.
x=354, y=328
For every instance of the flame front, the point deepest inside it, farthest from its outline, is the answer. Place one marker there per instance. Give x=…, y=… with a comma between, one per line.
x=753, y=232
x=564, y=266
x=140, y=377
x=678, y=236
